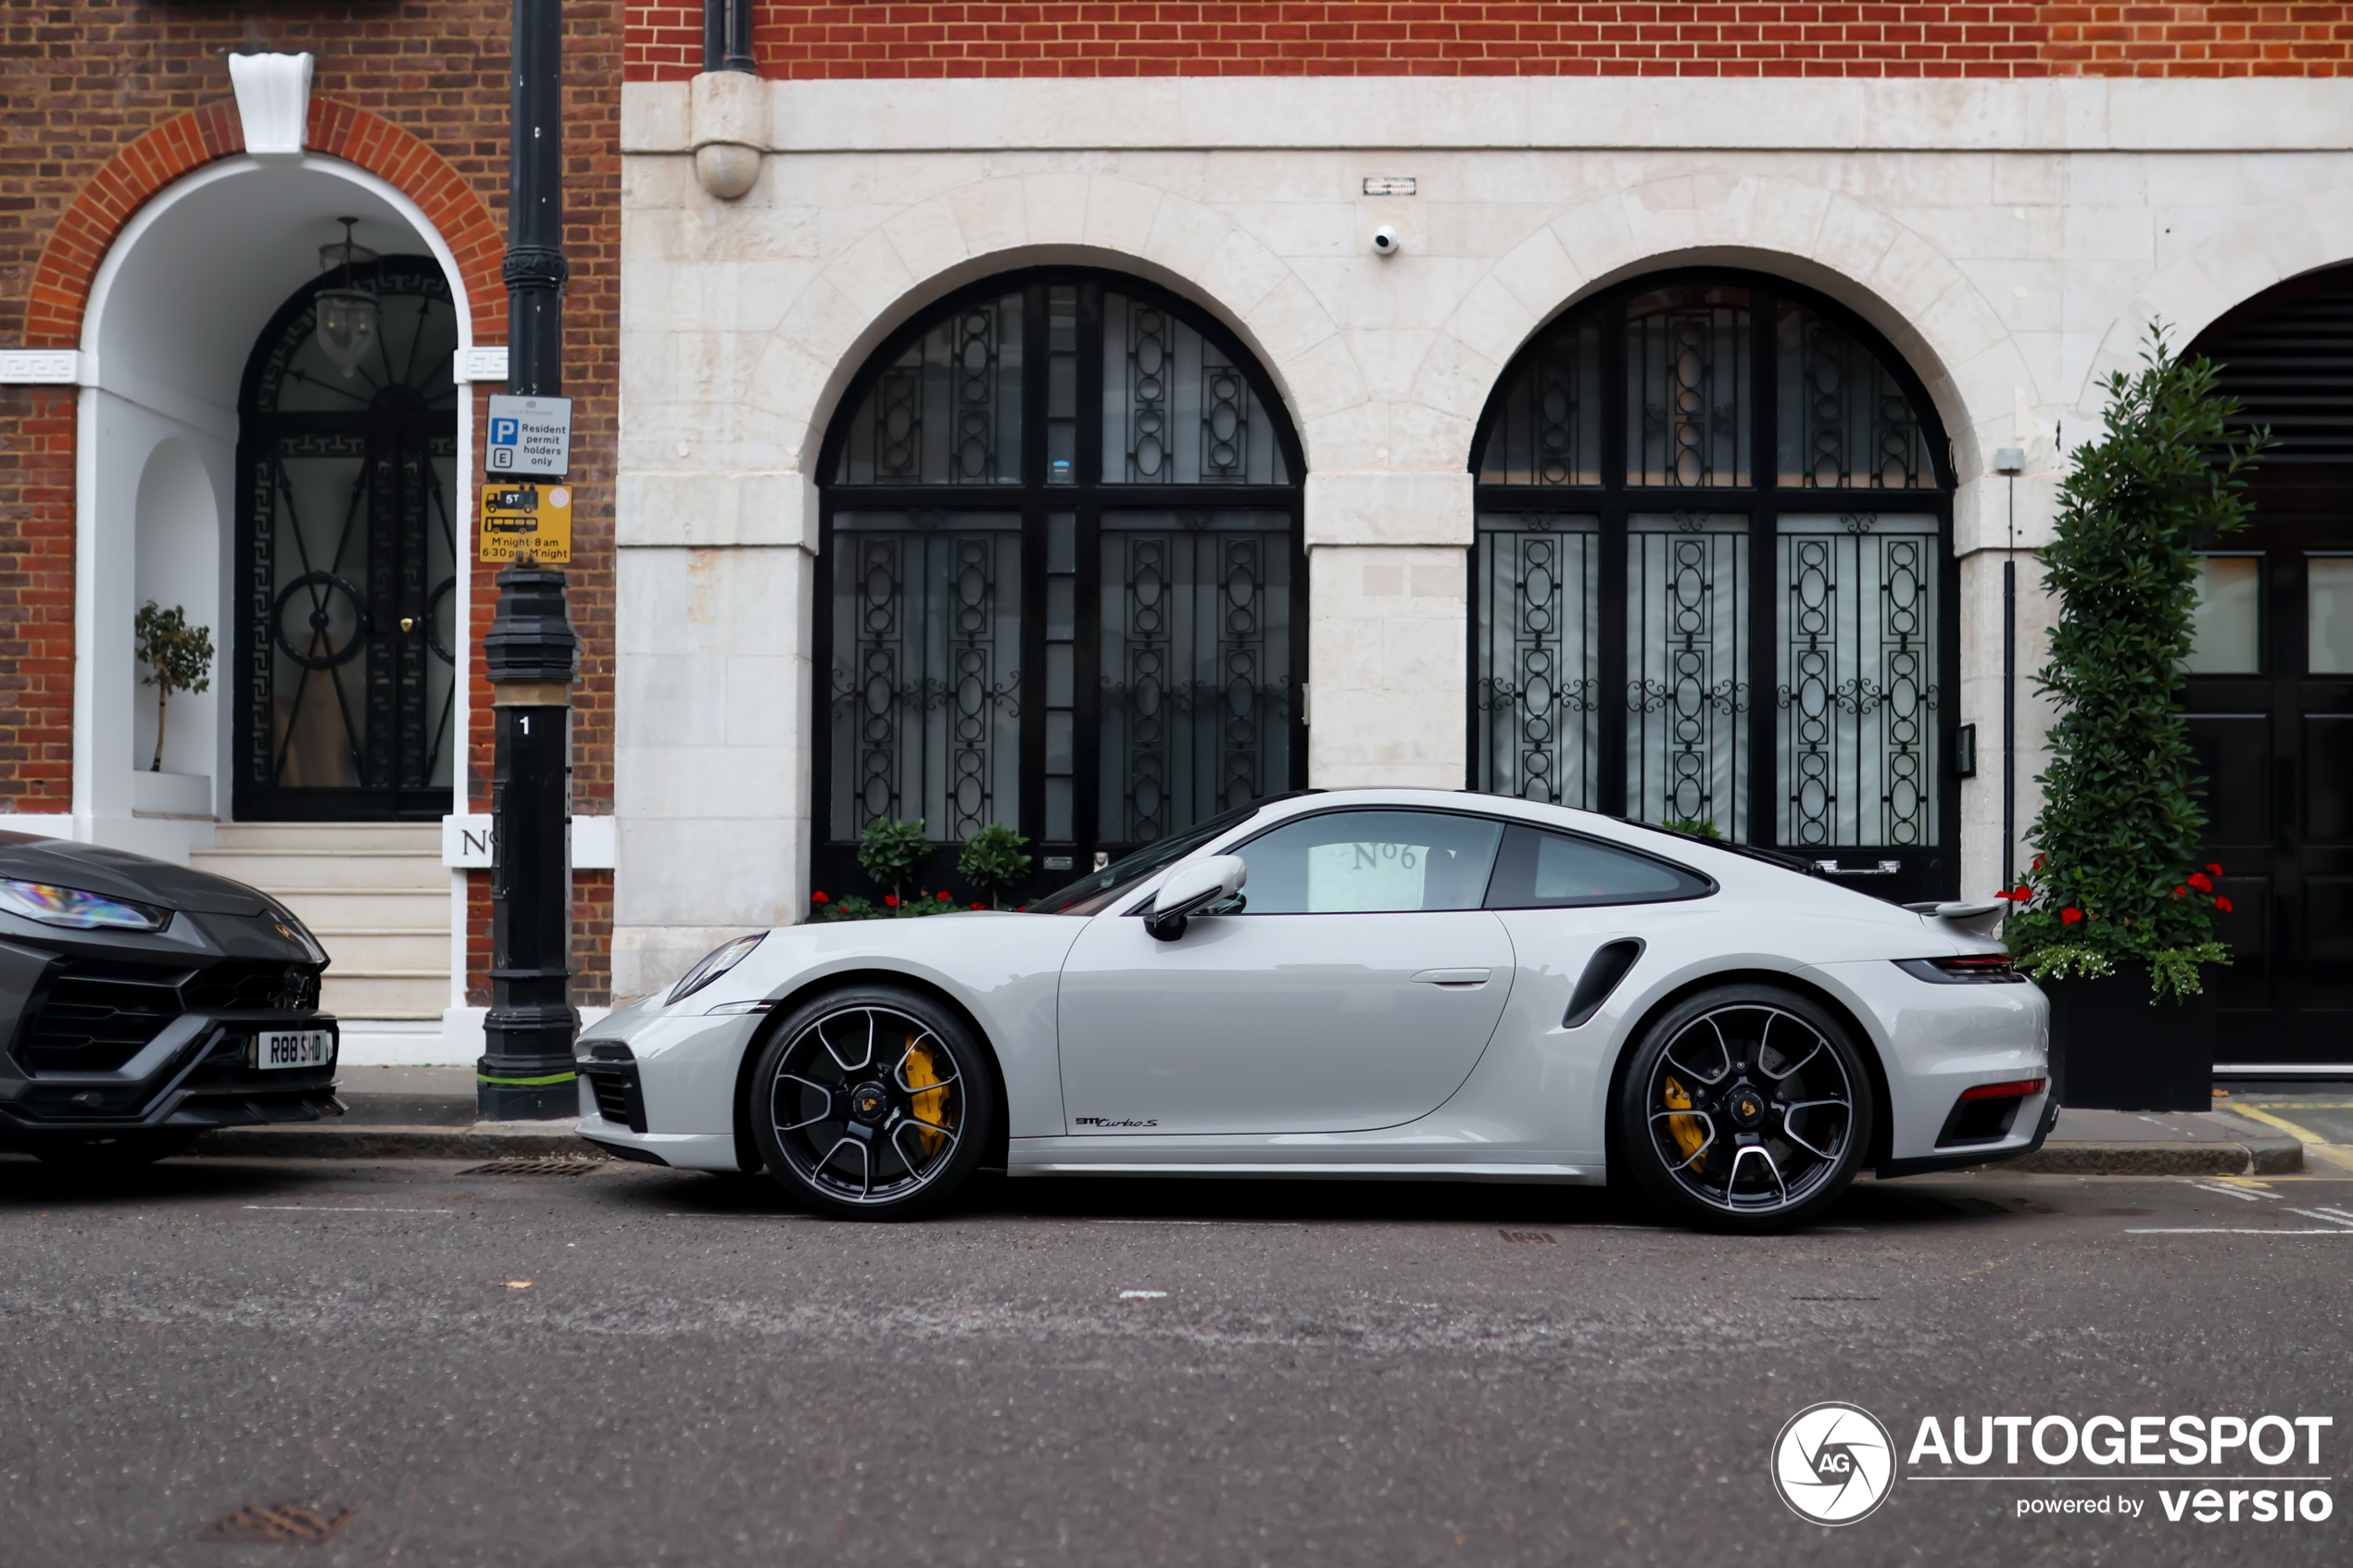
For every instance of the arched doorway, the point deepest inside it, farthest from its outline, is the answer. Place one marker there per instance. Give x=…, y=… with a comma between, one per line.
x=1062, y=583
x=1712, y=583
x=2269, y=687
x=344, y=610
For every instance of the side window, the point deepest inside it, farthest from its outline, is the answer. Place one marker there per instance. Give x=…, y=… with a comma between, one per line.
x=1555, y=871
x=1364, y=862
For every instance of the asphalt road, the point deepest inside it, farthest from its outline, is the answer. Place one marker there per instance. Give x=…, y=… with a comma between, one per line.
x=637, y=1366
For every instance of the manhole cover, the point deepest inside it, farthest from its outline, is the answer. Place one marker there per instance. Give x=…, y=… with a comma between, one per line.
x=548, y=1165
x=1543, y=1238
x=279, y=1521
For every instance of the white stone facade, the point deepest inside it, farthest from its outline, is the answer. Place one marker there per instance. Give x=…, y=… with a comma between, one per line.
x=2012, y=240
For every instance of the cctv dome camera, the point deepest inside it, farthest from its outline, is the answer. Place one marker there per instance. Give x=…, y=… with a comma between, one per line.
x=1385, y=241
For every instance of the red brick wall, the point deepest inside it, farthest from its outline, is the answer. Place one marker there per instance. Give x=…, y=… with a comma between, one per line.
x=82, y=84
x=1436, y=38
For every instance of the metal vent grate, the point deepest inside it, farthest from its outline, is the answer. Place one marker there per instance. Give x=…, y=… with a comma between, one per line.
x=96, y=1017
x=2292, y=369
x=549, y=1165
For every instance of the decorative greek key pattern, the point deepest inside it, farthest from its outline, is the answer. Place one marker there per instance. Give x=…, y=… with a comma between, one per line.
x=1538, y=632
x=1845, y=422
x=1687, y=681
x=1858, y=689
x=1195, y=698
x=925, y=712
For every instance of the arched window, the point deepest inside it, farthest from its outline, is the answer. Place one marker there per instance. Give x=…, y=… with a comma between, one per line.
x=1711, y=585
x=1062, y=583
x=348, y=554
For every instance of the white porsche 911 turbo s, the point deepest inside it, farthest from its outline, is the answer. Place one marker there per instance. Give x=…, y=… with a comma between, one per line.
x=1386, y=983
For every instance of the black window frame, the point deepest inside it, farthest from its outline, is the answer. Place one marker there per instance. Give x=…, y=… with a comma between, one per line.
x=1923, y=873
x=833, y=861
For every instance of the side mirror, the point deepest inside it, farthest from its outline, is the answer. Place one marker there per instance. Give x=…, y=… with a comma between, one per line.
x=1192, y=888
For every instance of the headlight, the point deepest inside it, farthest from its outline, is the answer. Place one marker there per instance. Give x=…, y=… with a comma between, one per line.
x=83, y=911
x=718, y=961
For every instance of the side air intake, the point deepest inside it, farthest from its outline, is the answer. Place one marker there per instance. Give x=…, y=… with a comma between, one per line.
x=1603, y=972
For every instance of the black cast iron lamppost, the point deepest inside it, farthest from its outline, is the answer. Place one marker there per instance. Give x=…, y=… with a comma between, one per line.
x=530, y=652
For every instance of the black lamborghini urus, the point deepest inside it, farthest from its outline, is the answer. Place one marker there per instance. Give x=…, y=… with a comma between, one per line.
x=143, y=1003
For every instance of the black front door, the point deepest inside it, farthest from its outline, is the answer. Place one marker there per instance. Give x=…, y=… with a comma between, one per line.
x=2271, y=686
x=347, y=635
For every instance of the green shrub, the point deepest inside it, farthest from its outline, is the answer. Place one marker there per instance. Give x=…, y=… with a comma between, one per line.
x=992, y=861
x=2116, y=878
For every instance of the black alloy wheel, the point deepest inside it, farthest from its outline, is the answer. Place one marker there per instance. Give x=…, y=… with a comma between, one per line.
x=873, y=1103
x=1745, y=1108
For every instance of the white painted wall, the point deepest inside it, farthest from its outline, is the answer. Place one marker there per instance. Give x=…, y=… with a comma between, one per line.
x=2012, y=239
x=177, y=561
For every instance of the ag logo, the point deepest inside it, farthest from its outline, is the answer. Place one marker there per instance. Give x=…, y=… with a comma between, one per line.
x=1833, y=1463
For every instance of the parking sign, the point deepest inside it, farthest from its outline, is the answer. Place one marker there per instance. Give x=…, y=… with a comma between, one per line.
x=530, y=437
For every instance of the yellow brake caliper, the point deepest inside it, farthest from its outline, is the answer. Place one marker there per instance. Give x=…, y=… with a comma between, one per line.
x=1688, y=1135
x=929, y=1105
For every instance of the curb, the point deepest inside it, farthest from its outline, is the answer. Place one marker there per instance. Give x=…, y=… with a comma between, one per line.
x=483, y=1140
x=2254, y=1157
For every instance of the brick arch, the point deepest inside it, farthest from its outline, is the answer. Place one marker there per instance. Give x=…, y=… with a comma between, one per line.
x=87, y=230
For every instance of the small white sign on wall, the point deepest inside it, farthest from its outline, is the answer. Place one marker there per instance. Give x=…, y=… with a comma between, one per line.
x=40, y=367
x=466, y=842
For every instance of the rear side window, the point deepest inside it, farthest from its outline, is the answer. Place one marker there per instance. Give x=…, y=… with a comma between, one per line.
x=1557, y=870
x=1369, y=862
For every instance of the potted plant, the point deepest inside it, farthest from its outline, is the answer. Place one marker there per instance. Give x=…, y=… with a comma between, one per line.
x=178, y=657
x=992, y=861
x=2115, y=919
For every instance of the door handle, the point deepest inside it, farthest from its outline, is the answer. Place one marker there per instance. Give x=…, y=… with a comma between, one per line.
x=1831, y=868
x=1464, y=979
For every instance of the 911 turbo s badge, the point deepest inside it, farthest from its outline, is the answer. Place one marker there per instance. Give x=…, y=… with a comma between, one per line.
x=1113, y=1121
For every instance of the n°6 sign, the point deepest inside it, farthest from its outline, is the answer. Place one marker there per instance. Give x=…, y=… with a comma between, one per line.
x=530, y=437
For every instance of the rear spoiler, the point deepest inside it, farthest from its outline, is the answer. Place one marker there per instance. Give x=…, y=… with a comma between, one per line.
x=1977, y=920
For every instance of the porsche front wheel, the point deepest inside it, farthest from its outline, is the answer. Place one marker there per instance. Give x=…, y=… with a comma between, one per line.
x=1745, y=1108
x=873, y=1103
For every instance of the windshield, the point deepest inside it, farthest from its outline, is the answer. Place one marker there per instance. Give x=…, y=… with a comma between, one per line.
x=1099, y=890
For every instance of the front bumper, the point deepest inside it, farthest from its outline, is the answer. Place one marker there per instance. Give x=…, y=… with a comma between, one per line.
x=197, y=1074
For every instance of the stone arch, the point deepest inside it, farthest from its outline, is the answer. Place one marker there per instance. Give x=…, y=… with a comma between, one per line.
x=2267, y=246
x=939, y=245
x=87, y=230
x=1932, y=314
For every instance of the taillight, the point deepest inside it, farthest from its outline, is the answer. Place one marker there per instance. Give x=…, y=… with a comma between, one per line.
x=2016, y=1088
x=1964, y=969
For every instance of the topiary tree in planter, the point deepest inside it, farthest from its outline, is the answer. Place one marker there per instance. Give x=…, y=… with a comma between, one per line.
x=992, y=861
x=2117, y=893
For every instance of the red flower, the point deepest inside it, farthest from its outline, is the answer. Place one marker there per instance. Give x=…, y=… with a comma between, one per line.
x=2214, y=871
x=2221, y=903
x=891, y=899
x=978, y=906
x=2019, y=894
x=943, y=897
x=2179, y=890
x=818, y=896
x=2201, y=882
x=2069, y=917
x=2038, y=862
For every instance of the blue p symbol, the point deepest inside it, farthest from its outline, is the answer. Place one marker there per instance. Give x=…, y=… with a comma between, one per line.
x=503, y=431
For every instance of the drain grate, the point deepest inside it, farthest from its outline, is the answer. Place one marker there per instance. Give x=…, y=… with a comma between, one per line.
x=549, y=1165
x=279, y=1521
x=1542, y=1238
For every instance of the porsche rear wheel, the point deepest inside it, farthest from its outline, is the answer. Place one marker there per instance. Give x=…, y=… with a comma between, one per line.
x=873, y=1103
x=1745, y=1108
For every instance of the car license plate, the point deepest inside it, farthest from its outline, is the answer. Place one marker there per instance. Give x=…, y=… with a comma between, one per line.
x=294, y=1047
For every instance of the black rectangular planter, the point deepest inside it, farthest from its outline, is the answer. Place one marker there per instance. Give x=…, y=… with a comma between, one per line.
x=2112, y=1050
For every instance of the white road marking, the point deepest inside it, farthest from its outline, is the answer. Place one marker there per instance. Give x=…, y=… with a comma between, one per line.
x=334, y=1209
x=2231, y=1192
x=1141, y=1295
x=2323, y=1215
x=2231, y=1230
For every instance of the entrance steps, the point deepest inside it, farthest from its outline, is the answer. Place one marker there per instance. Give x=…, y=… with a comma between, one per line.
x=375, y=895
